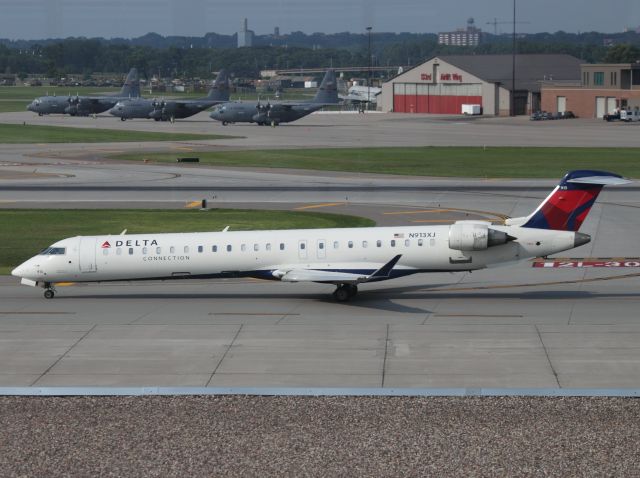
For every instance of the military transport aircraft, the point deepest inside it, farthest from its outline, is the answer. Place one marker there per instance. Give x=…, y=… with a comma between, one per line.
x=169, y=110
x=344, y=257
x=281, y=112
x=86, y=105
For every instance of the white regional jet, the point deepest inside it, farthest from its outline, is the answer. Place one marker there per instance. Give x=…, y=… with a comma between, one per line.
x=344, y=257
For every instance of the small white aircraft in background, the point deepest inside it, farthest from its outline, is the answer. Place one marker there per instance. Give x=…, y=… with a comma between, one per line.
x=344, y=257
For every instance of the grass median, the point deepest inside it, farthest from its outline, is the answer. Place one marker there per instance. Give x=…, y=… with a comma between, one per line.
x=479, y=162
x=24, y=232
x=27, y=133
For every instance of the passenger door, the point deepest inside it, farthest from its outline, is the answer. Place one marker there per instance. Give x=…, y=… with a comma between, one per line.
x=87, y=254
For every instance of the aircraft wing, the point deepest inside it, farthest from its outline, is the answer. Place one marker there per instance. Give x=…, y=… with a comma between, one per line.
x=334, y=277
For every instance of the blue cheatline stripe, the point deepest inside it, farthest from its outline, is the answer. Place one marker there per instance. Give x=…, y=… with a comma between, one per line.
x=321, y=391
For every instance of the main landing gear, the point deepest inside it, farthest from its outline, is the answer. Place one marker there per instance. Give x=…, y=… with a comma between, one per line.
x=344, y=292
x=49, y=290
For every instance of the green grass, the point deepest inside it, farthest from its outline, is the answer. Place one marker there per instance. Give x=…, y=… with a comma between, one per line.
x=24, y=232
x=17, y=133
x=9, y=106
x=429, y=161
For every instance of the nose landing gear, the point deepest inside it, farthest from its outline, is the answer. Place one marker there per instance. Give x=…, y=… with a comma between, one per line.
x=50, y=291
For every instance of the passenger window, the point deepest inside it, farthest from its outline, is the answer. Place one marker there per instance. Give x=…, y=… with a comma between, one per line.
x=186, y=249
x=282, y=246
x=350, y=244
x=200, y=248
x=268, y=246
x=158, y=250
x=432, y=242
x=256, y=247
x=379, y=243
x=321, y=245
x=214, y=248
x=420, y=242
x=393, y=243
x=365, y=244
x=144, y=251
x=336, y=244
x=131, y=251
x=407, y=242
x=229, y=248
x=105, y=252
x=118, y=251
x=172, y=250
x=303, y=245
x=243, y=247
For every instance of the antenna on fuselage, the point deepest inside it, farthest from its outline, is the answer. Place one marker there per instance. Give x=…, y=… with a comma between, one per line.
x=226, y=229
x=123, y=232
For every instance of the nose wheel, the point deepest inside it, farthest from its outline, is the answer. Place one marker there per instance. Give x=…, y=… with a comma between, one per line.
x=344, y=292
x=49, y=292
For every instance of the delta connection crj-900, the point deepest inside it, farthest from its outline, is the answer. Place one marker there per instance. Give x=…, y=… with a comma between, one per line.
x=344, y=257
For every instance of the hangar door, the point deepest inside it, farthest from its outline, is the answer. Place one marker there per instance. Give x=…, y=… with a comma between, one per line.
x=435, y=98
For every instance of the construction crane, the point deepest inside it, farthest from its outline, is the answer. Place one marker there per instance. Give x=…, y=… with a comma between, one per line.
x=495, y=24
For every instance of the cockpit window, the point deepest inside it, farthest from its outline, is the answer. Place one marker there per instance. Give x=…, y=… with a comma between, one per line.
x=53, y=251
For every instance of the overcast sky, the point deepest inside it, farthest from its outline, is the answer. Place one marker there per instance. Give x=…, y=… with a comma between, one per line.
x=32, y=19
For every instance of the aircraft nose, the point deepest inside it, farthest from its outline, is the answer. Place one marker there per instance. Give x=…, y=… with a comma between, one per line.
x=18, y=271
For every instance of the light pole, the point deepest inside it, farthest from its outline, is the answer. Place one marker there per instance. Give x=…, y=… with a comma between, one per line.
x=369, y=73
x=513, y=64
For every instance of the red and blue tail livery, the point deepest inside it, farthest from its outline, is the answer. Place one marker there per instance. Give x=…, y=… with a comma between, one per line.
x=566, y=208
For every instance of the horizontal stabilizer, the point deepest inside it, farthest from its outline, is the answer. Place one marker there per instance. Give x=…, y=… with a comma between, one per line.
x=603, y=180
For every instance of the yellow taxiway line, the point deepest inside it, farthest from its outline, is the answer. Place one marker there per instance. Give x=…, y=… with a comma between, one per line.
x=193, y=204
x=317, y=206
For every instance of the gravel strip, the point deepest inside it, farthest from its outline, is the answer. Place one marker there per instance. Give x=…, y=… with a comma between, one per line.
x=318, y=436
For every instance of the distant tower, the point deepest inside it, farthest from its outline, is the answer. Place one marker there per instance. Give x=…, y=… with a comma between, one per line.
x=276, y=32
x=245, y=36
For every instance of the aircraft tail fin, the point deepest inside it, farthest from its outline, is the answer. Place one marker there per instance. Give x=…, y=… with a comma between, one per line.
x=328, y=90
x=131, y=86
x=220, y=90
x=566, y=208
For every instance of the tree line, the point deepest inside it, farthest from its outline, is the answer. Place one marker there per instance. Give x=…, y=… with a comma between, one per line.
x=86, y=56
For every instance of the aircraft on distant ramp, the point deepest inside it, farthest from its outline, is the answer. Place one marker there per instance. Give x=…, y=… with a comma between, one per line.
x=343, y=257
x=281, y=112
x=86, y=105
x=169, y=110
x=362, y=94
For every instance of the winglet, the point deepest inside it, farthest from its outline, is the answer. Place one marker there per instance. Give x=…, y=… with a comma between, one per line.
x=385, y=270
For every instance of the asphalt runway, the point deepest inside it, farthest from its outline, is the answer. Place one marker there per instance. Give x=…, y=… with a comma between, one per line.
x=513, y=327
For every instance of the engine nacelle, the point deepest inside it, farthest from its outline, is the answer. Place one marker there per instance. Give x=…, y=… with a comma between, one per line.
x=475, y=237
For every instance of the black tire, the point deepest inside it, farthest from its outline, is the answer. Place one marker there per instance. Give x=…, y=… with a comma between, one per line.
x=224, y=123
x=49, y=294
x=353, y=289
x=123, y=118
x=341, y=294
